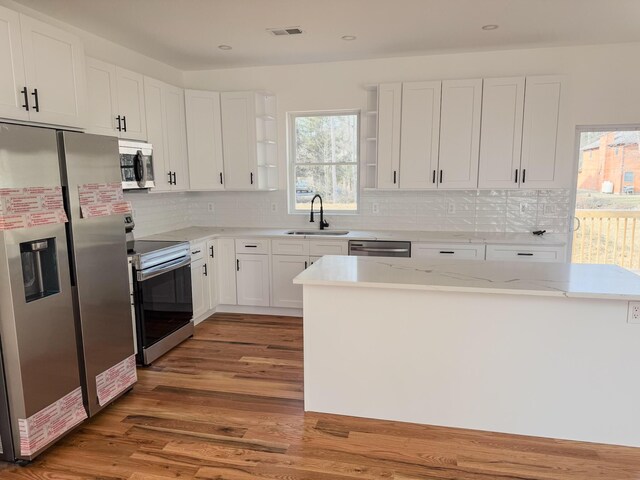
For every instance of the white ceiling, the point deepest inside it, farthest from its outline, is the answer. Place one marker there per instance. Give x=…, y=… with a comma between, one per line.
x=186, y=33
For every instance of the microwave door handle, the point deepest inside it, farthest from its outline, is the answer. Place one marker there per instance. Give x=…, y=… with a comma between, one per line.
x=143, y=275
x=140, y=168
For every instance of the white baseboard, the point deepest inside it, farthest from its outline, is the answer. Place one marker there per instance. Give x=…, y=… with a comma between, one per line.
x=286, y=312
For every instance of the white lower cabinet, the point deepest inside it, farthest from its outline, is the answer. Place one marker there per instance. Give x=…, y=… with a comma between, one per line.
x=226, y=274
x=526, y=253
x=451, y=251
x=253, y=279
x=284, y=293
x=199, y=287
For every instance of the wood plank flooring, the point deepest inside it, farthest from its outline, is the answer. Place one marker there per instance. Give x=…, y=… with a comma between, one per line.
x=227, y=405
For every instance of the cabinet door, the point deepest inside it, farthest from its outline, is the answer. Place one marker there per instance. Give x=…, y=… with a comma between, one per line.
x=102, y=98
x=197, y=287
x=501, y=132
x=420, y=134
x=540, y=132
x=253, y=279
x=156, y=132
x=55, y=73
x=131, y=104
x=212, y=270
x=460, y=134
x=239, y=140
x=12, y=79
x=284, y=269
x=389, y=109
x=227, y=271
x=204, y=140
x=176, y=135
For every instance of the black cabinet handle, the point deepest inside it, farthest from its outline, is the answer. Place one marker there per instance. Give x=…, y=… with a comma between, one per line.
x=521, y=254
x=524, y=175
x=251, y=246
x=251, y=175
x=36, y=106
x=237, y=265
x=204, y=267
x=170, y=181
x=394, y=177
x=447, y=252
x=516, y=179
x=26, y=98
x=124, y=123
x=221, y=178
x=211, y=250
x=195, y=252
x=119, y=119
x=305, y=265
x=175, y=182
x=434, y=177
x=440, y=176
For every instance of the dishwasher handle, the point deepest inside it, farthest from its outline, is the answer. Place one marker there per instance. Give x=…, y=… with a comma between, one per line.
x=380, y=250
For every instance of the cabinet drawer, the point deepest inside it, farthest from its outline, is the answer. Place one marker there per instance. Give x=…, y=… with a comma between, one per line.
x=456, y=251
x=255, y=246
x=327, y=247
x=525, y=253
x=290, y=247
x=197, y=250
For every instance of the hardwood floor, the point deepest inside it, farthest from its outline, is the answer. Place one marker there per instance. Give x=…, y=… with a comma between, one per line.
x=227, y=405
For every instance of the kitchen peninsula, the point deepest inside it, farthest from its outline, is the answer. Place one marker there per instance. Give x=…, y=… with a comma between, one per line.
x=544, y=349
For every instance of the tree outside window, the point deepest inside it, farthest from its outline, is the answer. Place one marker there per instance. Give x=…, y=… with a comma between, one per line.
x=324, y=160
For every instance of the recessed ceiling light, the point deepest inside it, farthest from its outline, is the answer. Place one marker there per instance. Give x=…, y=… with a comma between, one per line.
x=348, y=38
x=225, y=47
x=490, y=27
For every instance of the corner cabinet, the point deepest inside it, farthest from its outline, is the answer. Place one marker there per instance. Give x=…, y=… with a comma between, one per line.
x=42, y=72
x=166, y=131
x=204, y=140
x=249, y=140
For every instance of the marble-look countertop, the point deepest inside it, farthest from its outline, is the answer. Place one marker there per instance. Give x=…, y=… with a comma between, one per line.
x=542, y=279
x=192, y=234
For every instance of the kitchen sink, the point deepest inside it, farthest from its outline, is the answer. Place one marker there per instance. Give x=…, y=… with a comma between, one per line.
x=317, y=232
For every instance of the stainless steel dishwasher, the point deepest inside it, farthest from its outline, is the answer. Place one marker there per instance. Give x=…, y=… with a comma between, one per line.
x=379, y=248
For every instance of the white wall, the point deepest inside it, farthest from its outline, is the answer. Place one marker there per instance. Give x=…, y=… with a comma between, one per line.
x=108, y=51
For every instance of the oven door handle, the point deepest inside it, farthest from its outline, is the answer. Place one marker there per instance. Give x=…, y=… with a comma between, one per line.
x=143, y=275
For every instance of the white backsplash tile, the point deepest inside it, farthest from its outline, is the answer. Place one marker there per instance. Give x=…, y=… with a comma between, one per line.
x=472, y=211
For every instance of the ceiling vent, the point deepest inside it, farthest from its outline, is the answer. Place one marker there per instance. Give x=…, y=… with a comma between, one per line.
x=278, y=32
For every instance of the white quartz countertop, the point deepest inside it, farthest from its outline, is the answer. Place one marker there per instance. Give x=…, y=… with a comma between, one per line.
x=192, y=234
x=543, y=279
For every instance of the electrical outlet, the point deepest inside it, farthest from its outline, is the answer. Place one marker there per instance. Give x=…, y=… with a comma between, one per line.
x=451, y=207
x=634, y=313
x=210, y=207
x=274, y=207
x=523, y=208
x=549, y=209
x=375, y=208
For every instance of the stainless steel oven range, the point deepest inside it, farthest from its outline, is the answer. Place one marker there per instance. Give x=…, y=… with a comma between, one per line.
x=162, y=296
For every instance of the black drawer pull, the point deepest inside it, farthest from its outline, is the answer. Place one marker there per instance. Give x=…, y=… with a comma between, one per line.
x=195, y=252
x=251, y=246
x=525, y=254
x=211, y=249
x=237, y=265
x=448, y=252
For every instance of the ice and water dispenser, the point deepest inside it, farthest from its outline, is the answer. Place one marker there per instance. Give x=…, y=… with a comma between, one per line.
x=39, y=268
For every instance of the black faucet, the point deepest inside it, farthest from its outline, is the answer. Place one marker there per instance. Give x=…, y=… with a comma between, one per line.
x=323, y=223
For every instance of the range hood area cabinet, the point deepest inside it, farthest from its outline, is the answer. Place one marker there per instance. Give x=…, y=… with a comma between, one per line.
x=468, y=134
x=166, y=131
x=232, y=140
x=116, y=101
x=42, y=72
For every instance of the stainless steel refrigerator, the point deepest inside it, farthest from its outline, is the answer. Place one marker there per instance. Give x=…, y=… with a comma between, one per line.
x=65, y=321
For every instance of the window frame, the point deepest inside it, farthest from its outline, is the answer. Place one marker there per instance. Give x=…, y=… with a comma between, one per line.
x=291, y=157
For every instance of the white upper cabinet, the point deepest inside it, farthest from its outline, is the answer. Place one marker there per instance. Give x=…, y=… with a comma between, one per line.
x=542, y=110
x=42, y=72
x=103, y=97
x=166, y=131
x=389, y=117
x=460, y=134
x=204, y=140
x=501, y=132
x=420, y=135
x=13, y=86
x=132, y=123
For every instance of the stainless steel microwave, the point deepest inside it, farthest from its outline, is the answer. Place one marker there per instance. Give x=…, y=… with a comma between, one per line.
x=136, y=165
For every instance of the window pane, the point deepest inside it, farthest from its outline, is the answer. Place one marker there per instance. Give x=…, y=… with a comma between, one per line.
x=326, y=139
x=337, y=184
